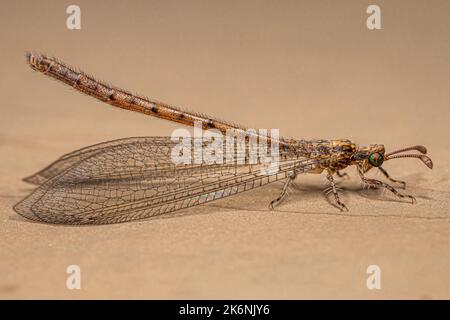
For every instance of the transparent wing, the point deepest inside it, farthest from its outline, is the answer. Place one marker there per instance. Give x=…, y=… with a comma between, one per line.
x=136, y=179
x=70, y=159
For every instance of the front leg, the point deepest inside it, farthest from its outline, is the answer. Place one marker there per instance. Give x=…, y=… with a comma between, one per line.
x=379, y=184
x=384, y=172
x=330, y=178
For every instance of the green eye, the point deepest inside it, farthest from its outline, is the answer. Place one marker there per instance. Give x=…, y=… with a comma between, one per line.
x=376, y=159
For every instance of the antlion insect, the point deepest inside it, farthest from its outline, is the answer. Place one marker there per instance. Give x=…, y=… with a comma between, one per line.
x=134, y=178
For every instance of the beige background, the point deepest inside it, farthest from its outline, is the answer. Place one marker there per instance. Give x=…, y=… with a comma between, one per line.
x=309, y=68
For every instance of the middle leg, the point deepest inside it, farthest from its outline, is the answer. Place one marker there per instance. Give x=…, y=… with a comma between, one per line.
x=333, y=187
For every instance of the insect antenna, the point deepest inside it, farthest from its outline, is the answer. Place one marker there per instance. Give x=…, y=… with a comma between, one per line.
x=426, y=160
x=419, y=148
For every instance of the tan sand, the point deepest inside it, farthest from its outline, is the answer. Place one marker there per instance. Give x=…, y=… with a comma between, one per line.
x=312, y=70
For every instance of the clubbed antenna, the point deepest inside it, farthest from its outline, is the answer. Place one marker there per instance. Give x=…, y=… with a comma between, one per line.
x=426, y=160
x=419, y=148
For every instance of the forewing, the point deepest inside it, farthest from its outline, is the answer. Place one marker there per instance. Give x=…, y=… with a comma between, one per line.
x=137, y=180
x=68, y=160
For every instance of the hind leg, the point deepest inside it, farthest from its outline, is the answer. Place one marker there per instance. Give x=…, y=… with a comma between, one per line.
x=283, y=193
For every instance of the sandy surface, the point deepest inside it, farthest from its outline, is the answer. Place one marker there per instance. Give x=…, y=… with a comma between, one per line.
x=310, y=69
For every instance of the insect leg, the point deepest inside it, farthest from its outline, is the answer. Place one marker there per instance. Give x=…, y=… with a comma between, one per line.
x=379, y=184
x=342, y=206
x=403, y=183
x=283, y=193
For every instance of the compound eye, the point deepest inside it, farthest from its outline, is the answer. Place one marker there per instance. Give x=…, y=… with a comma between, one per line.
x=376, y=159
